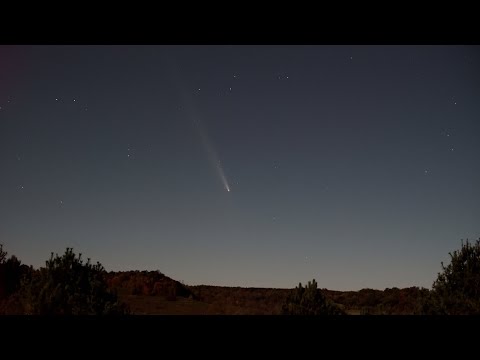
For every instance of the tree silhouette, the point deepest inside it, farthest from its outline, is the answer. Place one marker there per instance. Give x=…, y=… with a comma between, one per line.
x=11, y=272
x=457, y=288
x=309, y=300
x=68, y=286
x=3, y=254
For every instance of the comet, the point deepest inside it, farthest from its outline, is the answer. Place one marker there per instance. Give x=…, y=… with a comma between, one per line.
x=212, y=155
x=192, y=114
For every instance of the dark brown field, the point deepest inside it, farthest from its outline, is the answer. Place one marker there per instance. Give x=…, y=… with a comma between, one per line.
x=152, y=293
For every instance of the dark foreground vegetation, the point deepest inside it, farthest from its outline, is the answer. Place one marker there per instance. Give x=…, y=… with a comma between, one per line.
x=67, y=285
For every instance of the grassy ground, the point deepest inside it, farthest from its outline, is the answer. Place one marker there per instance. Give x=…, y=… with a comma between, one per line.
x=217, y=300
x=159, y=305
x=210, y=300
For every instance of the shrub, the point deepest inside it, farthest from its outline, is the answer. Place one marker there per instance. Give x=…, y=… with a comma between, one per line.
x=309, y=300
x=457, y=288
x=68, y=286
x=11, y=272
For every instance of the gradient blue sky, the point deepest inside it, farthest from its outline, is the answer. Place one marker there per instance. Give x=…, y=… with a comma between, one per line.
x=354, y=165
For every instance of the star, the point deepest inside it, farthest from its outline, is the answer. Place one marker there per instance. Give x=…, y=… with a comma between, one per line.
x=446, y=132
x=426, y=171
x=74, y=100
x=56, y=99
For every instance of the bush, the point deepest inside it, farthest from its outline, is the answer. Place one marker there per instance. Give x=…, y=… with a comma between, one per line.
x=11, y=272
x=457, y=289
x=67, y=286
x=309, y=300
x=3, y=254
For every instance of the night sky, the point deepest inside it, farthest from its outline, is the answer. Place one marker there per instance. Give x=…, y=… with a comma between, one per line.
x=258, y=166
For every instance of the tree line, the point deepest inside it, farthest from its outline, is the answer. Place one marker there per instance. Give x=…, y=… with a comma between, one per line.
x=68, y=285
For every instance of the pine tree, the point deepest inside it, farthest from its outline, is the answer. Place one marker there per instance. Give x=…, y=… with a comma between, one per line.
x=68, y=286
x=456, y=290
x=309, y=300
